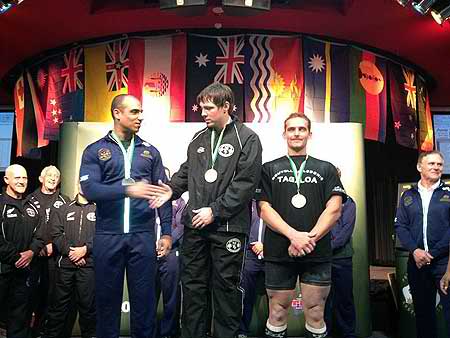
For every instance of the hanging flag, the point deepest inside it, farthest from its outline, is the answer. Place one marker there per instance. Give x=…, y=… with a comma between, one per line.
x=65, y=95
x=19, y=104
x=106, y=76
x=273, y=77
x=29, y=117
x=34, y=115
x=424, y=114
x=404, y=104
x=214, y=59
x=327, y=87
x=157, y=76
x=368, y=93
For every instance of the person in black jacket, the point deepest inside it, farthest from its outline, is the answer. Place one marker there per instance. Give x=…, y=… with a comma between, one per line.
x=20, y=241
x=49, y=199
x=73, y=233
x=221, y=173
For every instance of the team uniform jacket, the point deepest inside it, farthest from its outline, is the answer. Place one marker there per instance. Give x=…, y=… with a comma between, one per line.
x=54, y=202
x=73, y=226
x=101, y=173
x=409, y=221
x=239, y=168
x=20, y=230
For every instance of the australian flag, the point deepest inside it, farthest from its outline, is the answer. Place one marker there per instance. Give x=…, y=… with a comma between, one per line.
x=214, y=59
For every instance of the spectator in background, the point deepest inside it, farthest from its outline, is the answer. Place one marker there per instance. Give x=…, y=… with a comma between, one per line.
x=422, y=225
x=340, y=303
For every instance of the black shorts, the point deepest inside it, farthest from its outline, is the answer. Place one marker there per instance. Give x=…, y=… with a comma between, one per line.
x=283, y=275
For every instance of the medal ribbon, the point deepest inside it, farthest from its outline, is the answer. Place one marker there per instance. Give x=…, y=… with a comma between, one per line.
x=215, y=150
x=297, y=173
x=127, y=158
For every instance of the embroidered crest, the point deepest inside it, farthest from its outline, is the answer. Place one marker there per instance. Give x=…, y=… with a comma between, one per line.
x=30, y=212
x=226, y=150
x=91, y=216
x=234, y=245
x=104, y=154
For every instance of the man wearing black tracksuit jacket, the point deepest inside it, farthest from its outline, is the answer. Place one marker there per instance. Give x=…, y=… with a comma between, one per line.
x=73, y=233
x=221, y=173
x=20, y=241
x=49, y=199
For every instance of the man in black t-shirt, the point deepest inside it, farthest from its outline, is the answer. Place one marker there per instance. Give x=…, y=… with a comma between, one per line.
x=300, y=200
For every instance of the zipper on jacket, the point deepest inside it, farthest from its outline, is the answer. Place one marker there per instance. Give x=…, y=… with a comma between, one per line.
x=81, y=225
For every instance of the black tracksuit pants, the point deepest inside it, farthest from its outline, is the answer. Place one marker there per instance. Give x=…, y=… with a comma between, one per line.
x=73, y=280
x=15, y=293
x=211, y=262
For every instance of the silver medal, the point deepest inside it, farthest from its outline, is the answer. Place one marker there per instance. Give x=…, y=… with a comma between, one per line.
x=211, y=175
x=298, y=201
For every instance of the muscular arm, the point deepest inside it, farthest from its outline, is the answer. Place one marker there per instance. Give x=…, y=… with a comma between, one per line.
x=328, y=217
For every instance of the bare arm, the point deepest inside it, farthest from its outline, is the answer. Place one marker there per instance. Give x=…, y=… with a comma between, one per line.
x=328, y=217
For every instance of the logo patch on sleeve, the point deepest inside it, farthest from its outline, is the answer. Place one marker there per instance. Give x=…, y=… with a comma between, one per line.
x=408, y=201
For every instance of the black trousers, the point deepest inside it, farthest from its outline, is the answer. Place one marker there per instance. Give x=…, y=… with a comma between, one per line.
x=44, y=280
x=82, y=282
x=340, y=302
x=211, y=261
x=15, y=293
x=424, y=283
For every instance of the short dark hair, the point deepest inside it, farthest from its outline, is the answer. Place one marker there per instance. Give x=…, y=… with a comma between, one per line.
x=218, y=94
x=117, y=102
x=424, y=154
x=300, y=115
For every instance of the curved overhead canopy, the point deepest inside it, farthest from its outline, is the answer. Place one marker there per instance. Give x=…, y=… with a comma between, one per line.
x=35, y=26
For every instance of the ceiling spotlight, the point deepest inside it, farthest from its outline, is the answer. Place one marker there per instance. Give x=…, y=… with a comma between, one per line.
x=441, y=16
x=423, y=6
x=403, y=2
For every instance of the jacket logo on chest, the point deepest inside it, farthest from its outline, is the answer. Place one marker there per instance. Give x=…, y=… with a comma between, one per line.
x=104, y=154
x=30, y=212
x=146, y=154
x=71, y=216
x=445, y=198
x=91, y=216
x=57, y=204
x=10, y=214
x=200, y=150
x=226, y=150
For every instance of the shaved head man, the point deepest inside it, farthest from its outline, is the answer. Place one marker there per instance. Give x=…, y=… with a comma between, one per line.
x=16, y=180
x=20, y=241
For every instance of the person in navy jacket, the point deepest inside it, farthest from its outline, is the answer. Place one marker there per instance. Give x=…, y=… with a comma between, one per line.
x=115, y=173
x=253, y=269
x=422, y=225
x=168, y=276
x=340, y=302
